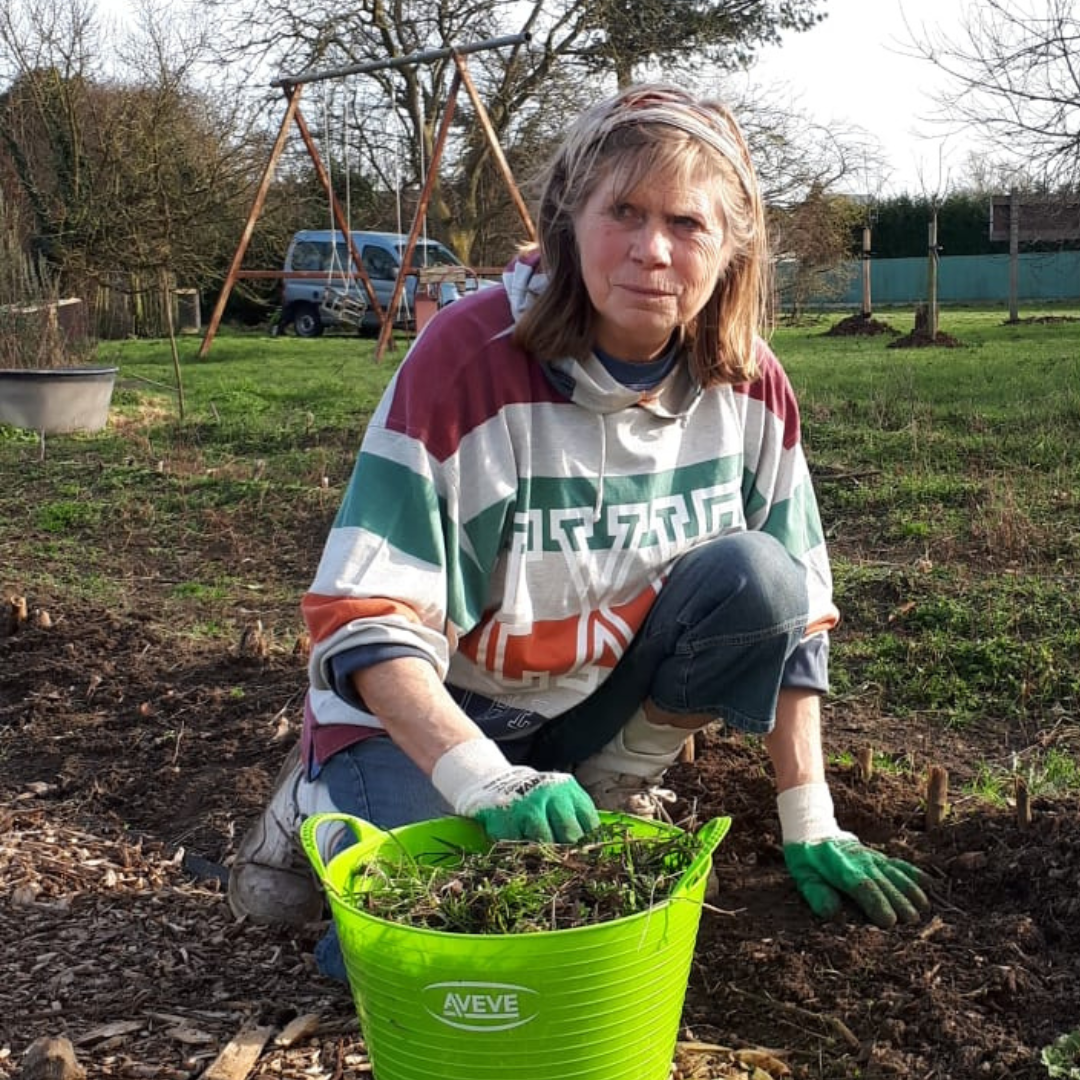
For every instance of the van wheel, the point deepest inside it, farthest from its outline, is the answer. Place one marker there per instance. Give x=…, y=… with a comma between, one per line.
x=307, y=321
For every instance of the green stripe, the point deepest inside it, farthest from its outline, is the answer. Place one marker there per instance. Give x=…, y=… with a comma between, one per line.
x=560, y=493
x=390, y=501
x=753, y=500
x=470, y=577
x=579, y=493
x=487, y=534
x=393, y=502
x=795, y=521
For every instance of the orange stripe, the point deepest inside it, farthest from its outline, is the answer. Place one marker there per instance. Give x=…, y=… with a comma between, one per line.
x=491, y=653
x=826, y=622
x=551, y=645
x=325, y=615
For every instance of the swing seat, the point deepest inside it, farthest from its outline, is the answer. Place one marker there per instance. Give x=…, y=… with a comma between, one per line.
x=435, y=280
x=343, y=307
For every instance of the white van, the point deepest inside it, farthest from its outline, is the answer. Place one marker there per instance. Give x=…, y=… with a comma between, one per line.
x=310, y=304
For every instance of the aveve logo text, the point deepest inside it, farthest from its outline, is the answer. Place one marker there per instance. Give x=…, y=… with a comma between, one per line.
x=481, y=1006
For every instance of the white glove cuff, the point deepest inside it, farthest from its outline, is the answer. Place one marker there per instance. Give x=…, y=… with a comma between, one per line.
x=467, y=774
x=807, y=816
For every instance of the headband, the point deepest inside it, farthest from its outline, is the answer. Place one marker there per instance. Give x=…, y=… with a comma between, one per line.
x=707, y=125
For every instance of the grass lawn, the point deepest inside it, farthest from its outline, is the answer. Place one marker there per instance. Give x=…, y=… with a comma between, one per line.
x=949, y=480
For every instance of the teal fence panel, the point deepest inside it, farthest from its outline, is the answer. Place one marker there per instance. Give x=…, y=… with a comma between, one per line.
x=962, y=279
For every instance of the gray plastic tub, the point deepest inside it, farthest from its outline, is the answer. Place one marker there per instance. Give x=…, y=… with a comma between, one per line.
x=56, y=401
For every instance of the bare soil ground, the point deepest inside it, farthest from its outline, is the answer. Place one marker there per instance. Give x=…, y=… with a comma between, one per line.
x=132, y=761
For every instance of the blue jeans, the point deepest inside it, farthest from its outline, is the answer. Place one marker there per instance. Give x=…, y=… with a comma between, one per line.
x=715, y=643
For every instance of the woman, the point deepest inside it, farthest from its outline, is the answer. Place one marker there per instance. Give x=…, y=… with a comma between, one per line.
x=580, y=528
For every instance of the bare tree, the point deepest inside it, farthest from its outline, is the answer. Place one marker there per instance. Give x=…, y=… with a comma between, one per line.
x=133, y=179
x=1015, y=78
x=577, y=50
x=814, y=241
x=796, y=153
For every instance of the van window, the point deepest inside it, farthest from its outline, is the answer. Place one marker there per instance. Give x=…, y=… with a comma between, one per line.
x=431, y=255
x=342, y=256
x=311, y=255
x=378, y=262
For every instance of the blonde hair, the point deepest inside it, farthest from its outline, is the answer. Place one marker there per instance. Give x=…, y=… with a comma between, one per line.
x=643, y=132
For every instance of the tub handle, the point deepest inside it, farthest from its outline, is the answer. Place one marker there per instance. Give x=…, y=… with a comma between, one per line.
x=362, y=830
x=708, y=838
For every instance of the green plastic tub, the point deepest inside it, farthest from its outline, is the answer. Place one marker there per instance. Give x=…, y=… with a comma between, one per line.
x=599, y=1002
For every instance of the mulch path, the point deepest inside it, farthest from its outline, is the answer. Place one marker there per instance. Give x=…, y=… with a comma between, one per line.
x=130, y=765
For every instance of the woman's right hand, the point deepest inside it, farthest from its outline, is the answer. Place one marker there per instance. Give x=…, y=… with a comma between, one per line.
x=513, y=802
x=530, y=805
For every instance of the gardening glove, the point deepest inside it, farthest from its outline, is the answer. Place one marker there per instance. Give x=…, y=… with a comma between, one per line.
x=825, y=862
x=513, y=802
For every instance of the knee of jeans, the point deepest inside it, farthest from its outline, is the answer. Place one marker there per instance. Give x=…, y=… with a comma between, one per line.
x=771, y=581
x=781, y=578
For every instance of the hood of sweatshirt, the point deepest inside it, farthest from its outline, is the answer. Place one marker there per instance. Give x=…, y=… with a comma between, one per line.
x=587, y=382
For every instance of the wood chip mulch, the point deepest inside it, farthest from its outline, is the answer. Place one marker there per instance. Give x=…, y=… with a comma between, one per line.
x=113, y=930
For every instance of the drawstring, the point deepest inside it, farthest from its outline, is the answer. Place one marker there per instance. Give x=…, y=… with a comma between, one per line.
x=603, y=468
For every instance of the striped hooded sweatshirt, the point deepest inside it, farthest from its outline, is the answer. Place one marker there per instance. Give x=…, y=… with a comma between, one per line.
x=513, y=521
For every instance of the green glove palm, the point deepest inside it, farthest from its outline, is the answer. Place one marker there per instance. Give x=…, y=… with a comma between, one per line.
x=887, y=890
x=551, y=807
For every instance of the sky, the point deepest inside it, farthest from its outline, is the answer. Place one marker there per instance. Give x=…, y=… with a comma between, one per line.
x=851, y=68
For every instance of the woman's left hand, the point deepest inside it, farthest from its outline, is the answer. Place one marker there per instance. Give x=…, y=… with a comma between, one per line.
x=888, y=890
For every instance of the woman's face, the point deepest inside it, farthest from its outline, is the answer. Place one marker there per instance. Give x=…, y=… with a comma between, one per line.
x=650, y=260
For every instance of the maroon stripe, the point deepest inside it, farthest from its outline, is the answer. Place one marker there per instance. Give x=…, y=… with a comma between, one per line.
x=460, y=374
x=774, y=391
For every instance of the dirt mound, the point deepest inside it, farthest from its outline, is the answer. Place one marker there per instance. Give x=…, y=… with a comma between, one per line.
x=859, y=326
x=921, y=339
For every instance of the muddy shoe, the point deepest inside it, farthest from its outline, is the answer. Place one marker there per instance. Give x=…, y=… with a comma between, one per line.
x=625, y=774
x=271, y=880
x=625, y=793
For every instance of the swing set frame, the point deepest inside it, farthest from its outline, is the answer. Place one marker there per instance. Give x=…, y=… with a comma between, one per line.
x=292, y=87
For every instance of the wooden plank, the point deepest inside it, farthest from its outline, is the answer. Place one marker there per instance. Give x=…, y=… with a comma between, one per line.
x=1044, y=219
x=303, y=1027
x=238, y=1058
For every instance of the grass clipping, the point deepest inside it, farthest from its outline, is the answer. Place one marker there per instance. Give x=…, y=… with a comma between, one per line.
x=522, y=887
